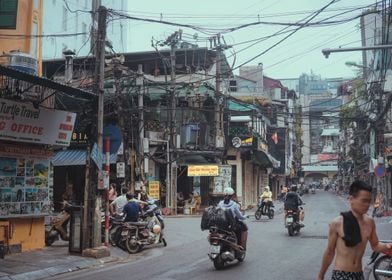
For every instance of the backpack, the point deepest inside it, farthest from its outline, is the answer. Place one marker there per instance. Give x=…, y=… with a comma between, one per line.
x=222, y=218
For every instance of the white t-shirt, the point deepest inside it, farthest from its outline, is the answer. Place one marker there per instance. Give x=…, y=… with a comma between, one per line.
x=119, y=203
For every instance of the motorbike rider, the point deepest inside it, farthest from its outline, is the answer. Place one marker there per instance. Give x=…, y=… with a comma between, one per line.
x=293, y=202
x=132, y=209
x=241, y=227
x=266, y=199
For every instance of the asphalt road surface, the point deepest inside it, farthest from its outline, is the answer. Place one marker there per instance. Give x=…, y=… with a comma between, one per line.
x=271, y=254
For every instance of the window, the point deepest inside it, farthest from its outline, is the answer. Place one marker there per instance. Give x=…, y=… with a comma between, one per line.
x=8, y=14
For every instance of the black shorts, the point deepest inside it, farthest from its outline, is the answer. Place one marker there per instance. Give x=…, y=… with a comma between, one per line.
x=346, y=275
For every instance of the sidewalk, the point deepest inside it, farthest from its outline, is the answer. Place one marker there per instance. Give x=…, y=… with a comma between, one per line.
x=52, y=261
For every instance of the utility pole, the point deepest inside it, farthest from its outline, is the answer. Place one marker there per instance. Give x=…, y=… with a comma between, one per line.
x=99, y=90
x=171, y=183
x=140, y=85
x=94, y=25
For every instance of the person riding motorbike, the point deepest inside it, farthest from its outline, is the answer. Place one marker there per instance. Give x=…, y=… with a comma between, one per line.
x=266, y=199
x=132, y=209
x=241, y=228
x=293, y=202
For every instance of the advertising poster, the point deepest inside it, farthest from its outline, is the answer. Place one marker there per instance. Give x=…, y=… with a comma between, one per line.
x=26, y=186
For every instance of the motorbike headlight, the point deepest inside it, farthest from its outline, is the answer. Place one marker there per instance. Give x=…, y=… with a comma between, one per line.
x=156, y=229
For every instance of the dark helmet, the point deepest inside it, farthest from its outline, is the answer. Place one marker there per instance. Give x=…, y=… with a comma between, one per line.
x=293, y=188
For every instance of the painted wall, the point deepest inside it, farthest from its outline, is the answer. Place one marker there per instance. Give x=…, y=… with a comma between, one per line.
x=29, y=22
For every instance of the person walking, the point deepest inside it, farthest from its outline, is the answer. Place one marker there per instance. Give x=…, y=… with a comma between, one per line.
x=348, y=235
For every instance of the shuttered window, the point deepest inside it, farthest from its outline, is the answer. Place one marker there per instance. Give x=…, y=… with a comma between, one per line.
x=8, y=13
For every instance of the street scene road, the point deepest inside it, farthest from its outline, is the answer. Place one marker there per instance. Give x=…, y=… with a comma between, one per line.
x=271, y=254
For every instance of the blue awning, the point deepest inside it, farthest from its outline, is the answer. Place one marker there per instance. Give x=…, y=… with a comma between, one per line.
x=74, y=157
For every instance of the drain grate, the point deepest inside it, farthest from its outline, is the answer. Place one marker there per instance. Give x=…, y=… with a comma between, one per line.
x=314, y=236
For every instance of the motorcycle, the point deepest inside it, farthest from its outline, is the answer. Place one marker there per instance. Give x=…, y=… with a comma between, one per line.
x=266, y=210
x=58, y=227
x=292, y=222
x=149, y=231
x=224, y=247
x=382, y=268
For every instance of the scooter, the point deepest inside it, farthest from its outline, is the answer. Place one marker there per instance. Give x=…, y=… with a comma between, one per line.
x=148, y=231
x=265, y=209
x=382, y=268
x=224, y=247
x=292, y=222
x=58, y=227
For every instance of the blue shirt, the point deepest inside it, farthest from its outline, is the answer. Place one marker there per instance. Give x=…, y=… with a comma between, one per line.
x=233, y=206
x=131, y=210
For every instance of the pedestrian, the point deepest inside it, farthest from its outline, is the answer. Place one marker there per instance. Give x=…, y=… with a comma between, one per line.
x=348, y=237
x=117, y=206
x=112, y=193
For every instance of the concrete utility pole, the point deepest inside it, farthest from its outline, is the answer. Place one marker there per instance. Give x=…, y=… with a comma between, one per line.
x=95, y=4
x=140, y=85
x=171, y=183
x=99, y=90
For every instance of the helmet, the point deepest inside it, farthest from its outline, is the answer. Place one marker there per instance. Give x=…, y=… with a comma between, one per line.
x=293, y=188
x=156, y=229
x=228, y=191
x=266, y=188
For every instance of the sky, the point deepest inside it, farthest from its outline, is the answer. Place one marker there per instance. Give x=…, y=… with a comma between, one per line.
x=299, y=53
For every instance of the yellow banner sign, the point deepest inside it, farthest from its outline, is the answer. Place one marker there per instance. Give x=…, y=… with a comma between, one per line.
x=153, y=189
x=203, y=170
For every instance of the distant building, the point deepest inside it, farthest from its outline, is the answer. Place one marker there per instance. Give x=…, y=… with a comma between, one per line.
x=75, y=17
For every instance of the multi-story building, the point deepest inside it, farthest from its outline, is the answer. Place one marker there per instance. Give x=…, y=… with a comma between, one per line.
x=74, y=20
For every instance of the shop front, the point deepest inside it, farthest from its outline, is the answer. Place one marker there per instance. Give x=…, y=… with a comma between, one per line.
x=26, y=174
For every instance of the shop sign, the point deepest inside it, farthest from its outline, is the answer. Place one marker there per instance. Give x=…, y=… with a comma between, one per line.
x=26, y=186
x=237, y=142
x=223, y=180
x=153, y=189
x=120, y=169
x=21, y=122
x=203, y=170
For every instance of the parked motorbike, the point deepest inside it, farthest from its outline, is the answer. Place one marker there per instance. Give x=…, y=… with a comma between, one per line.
x=149, y=231
x=224, y=247
x=382, y=268
x=292, y=222
x=266, y=210
x=58, y=227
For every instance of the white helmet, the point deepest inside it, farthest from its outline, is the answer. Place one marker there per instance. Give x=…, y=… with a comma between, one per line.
x=228, y=191
x=267, y=188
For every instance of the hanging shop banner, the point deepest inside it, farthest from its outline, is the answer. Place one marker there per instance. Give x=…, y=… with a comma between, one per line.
x=22, y=122
x=203, y=170
x=223, y=180
x=153, y=189
x=26, y=186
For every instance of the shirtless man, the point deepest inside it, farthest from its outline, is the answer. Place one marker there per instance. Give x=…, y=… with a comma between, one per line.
x=349, y=251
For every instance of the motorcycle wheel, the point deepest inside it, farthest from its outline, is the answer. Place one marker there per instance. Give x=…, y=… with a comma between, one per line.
x=219, y=263
x=50, y=240
x=132, y=246
x=241, y=256
x=258, y=214
x=290, y=230
x=384, y=263
x=271, y=214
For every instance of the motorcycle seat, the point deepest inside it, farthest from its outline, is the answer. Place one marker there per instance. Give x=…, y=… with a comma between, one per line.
x=137, y=224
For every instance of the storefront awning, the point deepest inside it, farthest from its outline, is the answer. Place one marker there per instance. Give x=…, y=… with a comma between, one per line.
x=265, y=159
x=74, y=157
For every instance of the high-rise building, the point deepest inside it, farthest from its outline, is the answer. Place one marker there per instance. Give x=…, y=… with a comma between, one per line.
x=73, y=19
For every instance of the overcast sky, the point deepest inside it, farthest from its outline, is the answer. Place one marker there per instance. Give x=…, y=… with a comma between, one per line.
x=298, y=54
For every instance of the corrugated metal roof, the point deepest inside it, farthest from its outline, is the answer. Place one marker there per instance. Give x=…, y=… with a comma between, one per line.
x=74, y=157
